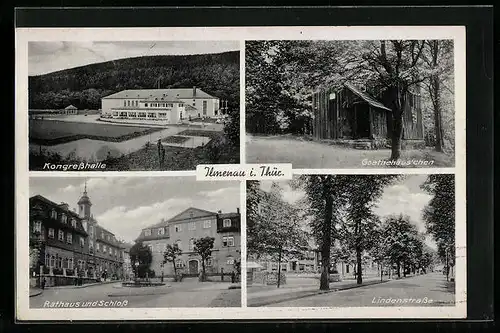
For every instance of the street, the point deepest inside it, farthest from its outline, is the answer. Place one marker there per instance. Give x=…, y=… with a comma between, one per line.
x=189, y=293
x=422, y=290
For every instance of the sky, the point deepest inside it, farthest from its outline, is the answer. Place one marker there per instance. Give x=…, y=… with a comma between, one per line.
x=47, y=57
x=126, y=205
x=404, y=197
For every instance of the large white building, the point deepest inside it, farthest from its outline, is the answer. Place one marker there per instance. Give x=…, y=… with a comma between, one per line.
x=166, y=105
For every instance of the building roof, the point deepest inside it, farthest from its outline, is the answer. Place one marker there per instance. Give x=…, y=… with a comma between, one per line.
x=70, y=107
x=228, y=215
x=173, y=94
x=366, y=97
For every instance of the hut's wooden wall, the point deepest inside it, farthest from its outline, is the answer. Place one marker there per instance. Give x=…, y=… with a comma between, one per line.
x=325, y=124
x=378, y=123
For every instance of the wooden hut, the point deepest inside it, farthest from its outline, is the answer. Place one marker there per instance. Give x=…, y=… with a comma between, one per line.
x=352, y=114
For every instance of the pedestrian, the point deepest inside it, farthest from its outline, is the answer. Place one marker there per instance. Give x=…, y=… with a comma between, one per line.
x=44, y=281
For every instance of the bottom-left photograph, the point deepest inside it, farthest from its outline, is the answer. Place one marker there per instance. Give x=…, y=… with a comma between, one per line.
x=134, y=242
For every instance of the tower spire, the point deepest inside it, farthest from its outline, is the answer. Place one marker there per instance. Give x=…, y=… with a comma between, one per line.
x=85, y=189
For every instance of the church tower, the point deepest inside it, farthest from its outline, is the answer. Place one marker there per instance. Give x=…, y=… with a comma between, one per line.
x=84, y=205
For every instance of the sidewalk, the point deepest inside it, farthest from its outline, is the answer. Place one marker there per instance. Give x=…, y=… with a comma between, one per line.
x=83, y=286
x=35, y=292
x=284, y=293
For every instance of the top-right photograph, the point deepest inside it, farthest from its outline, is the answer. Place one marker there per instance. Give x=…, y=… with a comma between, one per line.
x=350, y=103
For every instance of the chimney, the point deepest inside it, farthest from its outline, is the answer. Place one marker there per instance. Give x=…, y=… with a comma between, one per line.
x=237, y=210
x=194, y=91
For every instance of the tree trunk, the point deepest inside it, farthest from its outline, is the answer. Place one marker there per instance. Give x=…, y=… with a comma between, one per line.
x=279, y=268
x=397, y=99
x=381, y=272
x=203, y=277
x=397, y=133
x=359, y=269
x=398, y=267
x=175, y=271
x=326, y=242
x=404, y=269
x=435, y=93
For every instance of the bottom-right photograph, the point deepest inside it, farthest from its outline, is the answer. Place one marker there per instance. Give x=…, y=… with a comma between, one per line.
x=351, y=241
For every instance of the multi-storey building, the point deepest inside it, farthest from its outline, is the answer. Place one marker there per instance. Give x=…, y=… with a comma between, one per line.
x=58, y=234
x=106, y=252
x=69, y=244
x=168, y=105
x=183, y=229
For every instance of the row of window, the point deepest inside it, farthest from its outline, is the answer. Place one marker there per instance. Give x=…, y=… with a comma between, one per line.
x=107, y=249
x=57, y=261
x=191, y=226
x=181, y=264
x=63, y=236
x=227, y=241
x=64, y=218
x=130, y=103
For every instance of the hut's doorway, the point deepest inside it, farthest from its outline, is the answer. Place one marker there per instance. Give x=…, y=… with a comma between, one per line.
x=362, y=120
x=361, y=128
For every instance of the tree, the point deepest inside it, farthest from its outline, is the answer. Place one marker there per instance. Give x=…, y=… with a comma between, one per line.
x=172, y=252
x=325, y=195
x=203, y=246
x=402, y=240
x=140, y=254
x=360, y=223
x=438, y=57
x=439, y=215
x=276, y=231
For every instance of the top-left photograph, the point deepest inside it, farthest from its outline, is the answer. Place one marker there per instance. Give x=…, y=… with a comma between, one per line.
x=133, y=106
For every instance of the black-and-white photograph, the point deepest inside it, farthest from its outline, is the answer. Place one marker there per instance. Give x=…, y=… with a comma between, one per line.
x=352, y=241
x=133, y=105
x=350, y=103
x=162, y=243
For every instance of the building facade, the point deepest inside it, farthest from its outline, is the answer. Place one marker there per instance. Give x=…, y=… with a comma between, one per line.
x=66, y=244
x=59, y=238
x=166, y=105
x=183, y=229
x=105, y=251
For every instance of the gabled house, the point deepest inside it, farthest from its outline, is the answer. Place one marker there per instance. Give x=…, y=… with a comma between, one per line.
x=351, y=113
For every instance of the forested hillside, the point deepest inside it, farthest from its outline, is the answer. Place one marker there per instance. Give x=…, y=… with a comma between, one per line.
x=216, y=74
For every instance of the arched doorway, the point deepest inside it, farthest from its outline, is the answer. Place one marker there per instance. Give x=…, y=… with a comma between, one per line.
x=193, y=266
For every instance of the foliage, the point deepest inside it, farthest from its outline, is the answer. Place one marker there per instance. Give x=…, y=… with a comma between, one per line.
x=282, y=74
x=172, y=252
x=439, y=214
x=203, y=246
x=216, y=74
x=359, y=228
x=403, y=242
x=141, y=254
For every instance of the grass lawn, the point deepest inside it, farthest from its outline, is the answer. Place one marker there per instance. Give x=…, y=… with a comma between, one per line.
x=52, y=132
x=217, y=151
x=175, y=139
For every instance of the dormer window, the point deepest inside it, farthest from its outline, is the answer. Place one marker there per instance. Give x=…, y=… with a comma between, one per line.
x=73, y=223
x=226, y=223
x=53, y=214
x=64, y=218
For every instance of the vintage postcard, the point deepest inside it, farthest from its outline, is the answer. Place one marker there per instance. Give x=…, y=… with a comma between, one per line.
x=249, y=173
x=132, y=105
